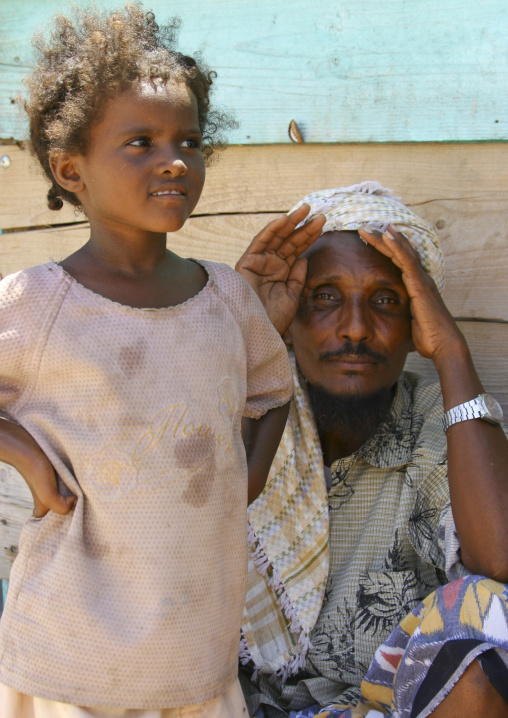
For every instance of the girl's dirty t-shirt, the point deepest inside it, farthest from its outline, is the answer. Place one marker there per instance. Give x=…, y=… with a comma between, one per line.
x=135, y=598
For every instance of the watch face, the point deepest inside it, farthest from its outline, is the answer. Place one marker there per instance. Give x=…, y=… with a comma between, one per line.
x=493, y=407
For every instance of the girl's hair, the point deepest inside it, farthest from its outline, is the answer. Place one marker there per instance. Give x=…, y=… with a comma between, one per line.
x=92, y=57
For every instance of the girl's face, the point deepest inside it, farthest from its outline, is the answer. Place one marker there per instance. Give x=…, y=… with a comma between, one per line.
x=144, y=169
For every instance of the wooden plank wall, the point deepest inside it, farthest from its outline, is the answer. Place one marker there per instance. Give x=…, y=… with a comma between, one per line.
x=370, y=72
x=348, y=71
x=461, y=189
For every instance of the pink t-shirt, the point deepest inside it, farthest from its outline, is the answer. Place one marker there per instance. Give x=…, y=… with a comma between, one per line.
x=134, y=599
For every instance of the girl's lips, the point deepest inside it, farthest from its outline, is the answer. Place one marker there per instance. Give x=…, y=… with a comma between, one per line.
x=169, y=191
x=168, y=194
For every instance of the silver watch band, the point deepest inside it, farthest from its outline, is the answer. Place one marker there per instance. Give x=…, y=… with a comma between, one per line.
x=463, y=412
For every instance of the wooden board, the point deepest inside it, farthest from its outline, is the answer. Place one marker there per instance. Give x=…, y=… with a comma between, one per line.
x=273, y=178
x=352, y=71
x=489, y=346
x=475, y=248
x=15, y=507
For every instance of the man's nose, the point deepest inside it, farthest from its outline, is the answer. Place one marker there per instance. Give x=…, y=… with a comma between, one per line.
x=170, y=162
x=354, y=322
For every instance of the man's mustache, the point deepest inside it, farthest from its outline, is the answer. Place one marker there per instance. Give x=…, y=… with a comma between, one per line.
x=349, y=349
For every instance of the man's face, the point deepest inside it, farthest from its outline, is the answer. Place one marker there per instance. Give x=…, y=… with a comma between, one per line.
x=352, y=331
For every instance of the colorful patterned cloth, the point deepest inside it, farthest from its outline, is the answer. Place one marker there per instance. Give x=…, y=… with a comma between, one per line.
x=370, y=205
x=415, y=669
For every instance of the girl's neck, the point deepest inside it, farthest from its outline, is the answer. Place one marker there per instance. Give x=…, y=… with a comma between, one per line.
x=129, y=258
x=135, y=277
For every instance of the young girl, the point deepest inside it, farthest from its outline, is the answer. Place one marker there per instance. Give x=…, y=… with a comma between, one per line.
x=131, y=369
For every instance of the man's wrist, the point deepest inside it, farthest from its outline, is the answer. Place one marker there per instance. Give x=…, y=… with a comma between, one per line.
x=484, y=407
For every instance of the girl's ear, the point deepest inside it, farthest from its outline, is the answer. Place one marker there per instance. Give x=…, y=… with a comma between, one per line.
x=65, y=170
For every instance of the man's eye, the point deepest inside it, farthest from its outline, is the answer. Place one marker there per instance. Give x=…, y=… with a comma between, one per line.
x=325, y=297
x=140, y=142
x=385, y=300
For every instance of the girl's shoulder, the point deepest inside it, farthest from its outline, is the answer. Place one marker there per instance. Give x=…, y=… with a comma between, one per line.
x=227, y=283
x=33, y=286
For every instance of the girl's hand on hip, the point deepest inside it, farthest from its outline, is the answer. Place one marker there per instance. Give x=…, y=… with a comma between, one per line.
x=19, y=449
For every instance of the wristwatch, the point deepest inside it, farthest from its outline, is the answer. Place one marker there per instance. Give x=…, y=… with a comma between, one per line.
x=483, y=407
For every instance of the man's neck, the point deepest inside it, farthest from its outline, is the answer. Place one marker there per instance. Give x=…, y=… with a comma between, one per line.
x=345, y=423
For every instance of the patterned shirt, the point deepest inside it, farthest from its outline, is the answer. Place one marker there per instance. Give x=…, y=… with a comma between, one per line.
x=392, y=542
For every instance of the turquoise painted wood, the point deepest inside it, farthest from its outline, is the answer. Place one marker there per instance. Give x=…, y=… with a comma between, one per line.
x=345, y=70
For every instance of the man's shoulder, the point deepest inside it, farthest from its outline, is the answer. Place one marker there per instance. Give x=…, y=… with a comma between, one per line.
x=425, y=409
x=424, y=393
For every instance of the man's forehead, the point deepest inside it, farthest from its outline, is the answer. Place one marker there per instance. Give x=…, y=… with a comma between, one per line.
x=336, y=253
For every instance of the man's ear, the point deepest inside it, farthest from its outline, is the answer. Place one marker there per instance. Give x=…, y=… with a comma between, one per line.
x=286, y=337
x=65, y=169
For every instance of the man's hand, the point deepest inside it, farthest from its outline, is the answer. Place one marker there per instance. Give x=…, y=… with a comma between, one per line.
x=20, y=450
x=273, y=267
x=434, y=331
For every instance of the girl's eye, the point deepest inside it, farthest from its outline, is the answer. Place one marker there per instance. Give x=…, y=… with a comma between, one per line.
x=191, y=143
x=140, y=142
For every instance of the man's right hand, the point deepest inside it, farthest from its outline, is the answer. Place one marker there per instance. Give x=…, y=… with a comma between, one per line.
x=273, y=267
x=19, y=449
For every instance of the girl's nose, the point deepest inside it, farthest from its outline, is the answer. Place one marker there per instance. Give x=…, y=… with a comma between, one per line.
x=171, y=163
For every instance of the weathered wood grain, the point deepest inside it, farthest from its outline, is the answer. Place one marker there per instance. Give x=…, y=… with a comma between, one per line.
x=489, y=347
x=272, y=178
x=346, y=72
x=474, y=242
x=15, y=507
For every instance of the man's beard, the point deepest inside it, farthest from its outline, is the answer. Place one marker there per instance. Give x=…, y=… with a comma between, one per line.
x=351, y=412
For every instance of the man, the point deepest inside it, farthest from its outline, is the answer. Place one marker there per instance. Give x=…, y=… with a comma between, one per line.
x=355, y=526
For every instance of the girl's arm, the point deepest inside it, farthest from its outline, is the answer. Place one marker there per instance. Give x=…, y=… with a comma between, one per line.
x=20, y=450
x=261, y=438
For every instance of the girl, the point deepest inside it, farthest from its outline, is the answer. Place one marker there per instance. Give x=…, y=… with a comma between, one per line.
x=131, y=368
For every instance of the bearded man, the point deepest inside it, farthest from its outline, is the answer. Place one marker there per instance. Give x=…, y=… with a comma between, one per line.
x=379, y=546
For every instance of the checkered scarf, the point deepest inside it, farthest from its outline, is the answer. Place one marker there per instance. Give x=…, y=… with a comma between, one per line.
x=370, y=205
x=288, y=542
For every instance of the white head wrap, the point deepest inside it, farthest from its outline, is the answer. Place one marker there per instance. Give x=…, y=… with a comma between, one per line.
x=368, y=204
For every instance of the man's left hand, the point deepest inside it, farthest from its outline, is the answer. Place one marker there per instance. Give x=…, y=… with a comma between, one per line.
x=434, y=331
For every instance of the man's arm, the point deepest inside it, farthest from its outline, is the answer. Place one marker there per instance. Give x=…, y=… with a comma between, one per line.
x=477, y=450
x=20, y=450
x=261, y=438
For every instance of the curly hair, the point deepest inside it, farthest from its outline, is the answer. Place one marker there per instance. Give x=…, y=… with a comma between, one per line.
x=92, y=57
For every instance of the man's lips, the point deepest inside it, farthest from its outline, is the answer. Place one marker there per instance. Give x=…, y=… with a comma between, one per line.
x=352, y=363
x=348, y=359
x=364, y=356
